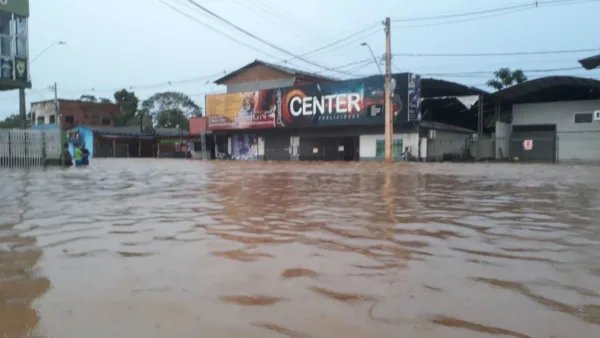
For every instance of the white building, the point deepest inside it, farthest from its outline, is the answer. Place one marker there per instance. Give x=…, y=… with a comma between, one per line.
x=554, y=119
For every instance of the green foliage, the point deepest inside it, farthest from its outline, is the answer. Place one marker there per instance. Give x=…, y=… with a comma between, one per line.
x=13, y=121
x=129, y=103
x=93, y=99
x=505, y=77
x=171, y=109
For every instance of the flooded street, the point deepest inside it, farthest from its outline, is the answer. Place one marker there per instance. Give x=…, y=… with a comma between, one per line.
x=174, y=248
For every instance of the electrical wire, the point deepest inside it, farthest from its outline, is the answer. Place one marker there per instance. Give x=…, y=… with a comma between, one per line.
x=282, y=50
x=528, y=5
x=217, y=31
x=545, y=52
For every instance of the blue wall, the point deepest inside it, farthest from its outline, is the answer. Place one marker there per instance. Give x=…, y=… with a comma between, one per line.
x=44, y=126
x=86, y=136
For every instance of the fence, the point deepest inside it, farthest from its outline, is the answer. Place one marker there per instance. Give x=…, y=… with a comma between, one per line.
x=29, y=148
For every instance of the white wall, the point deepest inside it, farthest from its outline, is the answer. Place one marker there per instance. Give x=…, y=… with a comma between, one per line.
x=368, y=144
x=577, y=142
x=44, y=110
x=503, y=131
x=445, y=142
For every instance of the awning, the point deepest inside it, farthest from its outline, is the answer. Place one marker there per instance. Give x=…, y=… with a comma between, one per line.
x=468, y=101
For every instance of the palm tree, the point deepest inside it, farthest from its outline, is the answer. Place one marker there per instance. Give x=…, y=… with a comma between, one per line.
x=505, y=77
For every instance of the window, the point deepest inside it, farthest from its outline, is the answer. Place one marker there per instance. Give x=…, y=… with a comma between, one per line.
x=105, y=122
x=69, y=119
x=41, y=120
x=5, y=38
x=584, y=117
x=52, y=119
x=21, y=36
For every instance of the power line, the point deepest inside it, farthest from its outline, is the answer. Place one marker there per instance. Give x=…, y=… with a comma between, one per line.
x=530, y=4
x=194, y=3
x=546, y=52
x=547, y=70
x=217, y=31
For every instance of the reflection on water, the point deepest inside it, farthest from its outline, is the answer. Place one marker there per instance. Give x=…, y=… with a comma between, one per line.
x=146, y=248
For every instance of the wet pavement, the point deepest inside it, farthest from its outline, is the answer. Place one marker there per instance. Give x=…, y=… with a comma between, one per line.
x=174, y=248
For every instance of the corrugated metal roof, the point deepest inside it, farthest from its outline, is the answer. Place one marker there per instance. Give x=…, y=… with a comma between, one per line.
x=591, y=63
x=514, y=92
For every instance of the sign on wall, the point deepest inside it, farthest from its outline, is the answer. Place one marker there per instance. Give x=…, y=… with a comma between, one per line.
x=414, y=97
x=244, y=147
x=528, y=145
x=248, y=110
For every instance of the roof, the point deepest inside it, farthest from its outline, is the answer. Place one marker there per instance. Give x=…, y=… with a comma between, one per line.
x=284, y=69
x=134, y=131
x=436, y=88
x=591, y=63
x=444, y=127
x=589, y=87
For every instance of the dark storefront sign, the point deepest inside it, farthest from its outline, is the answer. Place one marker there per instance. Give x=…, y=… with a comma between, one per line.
x=341, y=103
x=6, y=69
x=21, y=71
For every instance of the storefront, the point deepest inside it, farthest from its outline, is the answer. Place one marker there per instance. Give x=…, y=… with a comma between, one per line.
x=324, y=122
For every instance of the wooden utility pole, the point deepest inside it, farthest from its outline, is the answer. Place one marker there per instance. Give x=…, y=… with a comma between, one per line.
x=389, y=120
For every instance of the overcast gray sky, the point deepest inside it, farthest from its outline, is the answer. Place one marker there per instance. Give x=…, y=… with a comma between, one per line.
x=113, y=44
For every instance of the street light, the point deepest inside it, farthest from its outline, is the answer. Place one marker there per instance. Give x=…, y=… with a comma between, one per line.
x=22, y=107
x=46, y=49
x=374, y=58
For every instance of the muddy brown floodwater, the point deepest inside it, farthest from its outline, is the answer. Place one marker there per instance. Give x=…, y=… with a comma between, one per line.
x=174, y=248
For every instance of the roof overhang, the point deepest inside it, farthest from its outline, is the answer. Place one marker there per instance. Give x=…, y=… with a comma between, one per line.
x=527, y=88
x=590, y=63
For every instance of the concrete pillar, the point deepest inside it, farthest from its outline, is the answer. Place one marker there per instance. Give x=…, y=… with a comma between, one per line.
x=114, y=148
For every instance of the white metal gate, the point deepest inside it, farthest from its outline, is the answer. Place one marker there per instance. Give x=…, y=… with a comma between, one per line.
x=28, y=148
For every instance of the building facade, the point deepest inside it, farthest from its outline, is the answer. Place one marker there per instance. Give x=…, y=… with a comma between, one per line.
x=72, y=113
x=553, y=119
x=14, y=44
x=572, y=127
x=273, y=113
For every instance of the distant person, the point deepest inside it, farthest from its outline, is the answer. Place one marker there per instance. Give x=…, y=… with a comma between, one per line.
x=85, y=156
x=67, y=159
x=78, y=156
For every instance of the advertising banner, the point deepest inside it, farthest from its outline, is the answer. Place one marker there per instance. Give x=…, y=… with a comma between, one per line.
x=248, y=110
x=244, y=147
x=341, y=103
x=337, y=103
x=414, y=97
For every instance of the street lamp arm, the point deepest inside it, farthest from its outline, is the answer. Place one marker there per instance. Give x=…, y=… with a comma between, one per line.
x=46, y=49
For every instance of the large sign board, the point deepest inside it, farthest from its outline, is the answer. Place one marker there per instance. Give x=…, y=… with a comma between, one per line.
x=19, y=7
x=337, y=103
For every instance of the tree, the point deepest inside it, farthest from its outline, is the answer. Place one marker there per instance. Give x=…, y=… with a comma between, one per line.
x=88, y=98
x=505, y=77
x=198, y=113
x=93, y=99
x=129, y=103
x=12, y=121
x=171, y=109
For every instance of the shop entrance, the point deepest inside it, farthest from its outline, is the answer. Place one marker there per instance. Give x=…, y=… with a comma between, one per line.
x=329, y=148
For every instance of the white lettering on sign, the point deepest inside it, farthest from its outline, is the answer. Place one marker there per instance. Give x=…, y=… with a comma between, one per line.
x=341, y=103
x=528, y=144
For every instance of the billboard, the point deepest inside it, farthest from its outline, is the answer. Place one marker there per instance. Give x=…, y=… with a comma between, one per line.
x=337, y=103
x=247, y=110
x=19, y=7
x=414, y=97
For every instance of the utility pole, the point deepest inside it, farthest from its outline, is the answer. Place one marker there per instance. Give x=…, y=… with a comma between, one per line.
x=22, y=108
x=59, y=122
x=389, y=121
